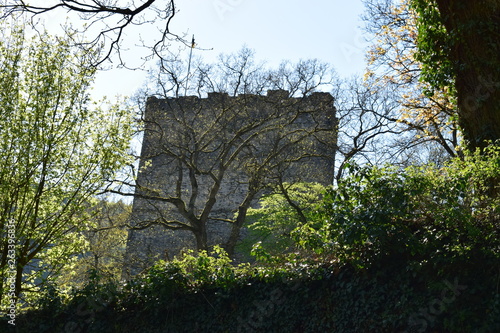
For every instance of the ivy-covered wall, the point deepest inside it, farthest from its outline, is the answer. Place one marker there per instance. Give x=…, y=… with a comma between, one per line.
x=301, y=297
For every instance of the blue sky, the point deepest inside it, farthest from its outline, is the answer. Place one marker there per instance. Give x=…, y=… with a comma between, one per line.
x=277, y=30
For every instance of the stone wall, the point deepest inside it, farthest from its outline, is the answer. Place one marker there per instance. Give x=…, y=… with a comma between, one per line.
x=195, y=147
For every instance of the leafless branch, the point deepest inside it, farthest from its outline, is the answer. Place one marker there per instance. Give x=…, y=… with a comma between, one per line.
x=107, y=21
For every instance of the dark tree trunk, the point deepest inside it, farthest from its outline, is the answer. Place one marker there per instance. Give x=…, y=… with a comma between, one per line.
x=200, y=235
x=476, y=56
x=230, y=246
x=253, y=189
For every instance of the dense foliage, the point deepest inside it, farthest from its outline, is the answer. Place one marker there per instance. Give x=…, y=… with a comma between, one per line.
x=413, y=250
x=203, y=294
x=418, y=215
x=393, y=60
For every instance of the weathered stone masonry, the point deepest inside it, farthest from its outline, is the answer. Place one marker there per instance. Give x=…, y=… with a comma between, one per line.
x=251, y=140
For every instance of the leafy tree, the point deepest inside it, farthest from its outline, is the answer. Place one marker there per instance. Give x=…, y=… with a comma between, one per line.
x=287, y=208
x=459, y=46
x=57, y=148
x=106, y=238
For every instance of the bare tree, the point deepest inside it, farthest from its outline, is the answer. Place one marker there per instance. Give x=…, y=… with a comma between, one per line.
x=102, y=24
x=238, y=74
x=368, y=131
x=206, y=160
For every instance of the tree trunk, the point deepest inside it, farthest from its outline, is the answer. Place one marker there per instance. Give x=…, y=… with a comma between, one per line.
x=476, y=55
x=200, y=234
x=235, y=231
x=253, y=188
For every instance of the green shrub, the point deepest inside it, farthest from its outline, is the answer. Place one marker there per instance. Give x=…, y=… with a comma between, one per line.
x=417, y=215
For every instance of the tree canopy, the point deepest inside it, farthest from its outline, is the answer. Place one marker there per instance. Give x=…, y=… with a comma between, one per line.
x=57, y=148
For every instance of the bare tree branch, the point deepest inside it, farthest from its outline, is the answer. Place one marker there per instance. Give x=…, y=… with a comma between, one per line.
x=104, y=24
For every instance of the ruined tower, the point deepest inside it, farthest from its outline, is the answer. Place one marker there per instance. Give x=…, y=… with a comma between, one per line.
x=204, y=161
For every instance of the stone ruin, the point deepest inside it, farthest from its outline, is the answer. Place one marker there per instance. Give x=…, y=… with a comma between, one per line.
x=205, y=156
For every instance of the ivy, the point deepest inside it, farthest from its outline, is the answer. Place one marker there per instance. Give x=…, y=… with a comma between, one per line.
x=435, y=45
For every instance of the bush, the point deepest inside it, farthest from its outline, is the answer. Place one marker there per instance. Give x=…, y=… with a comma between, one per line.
x=414, y=216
